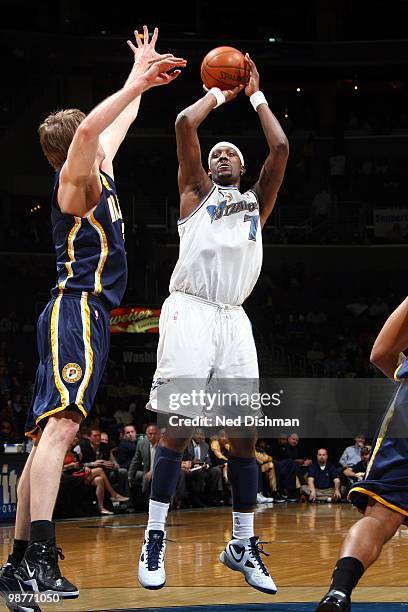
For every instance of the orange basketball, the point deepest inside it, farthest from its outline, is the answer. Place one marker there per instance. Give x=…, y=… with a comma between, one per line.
x=224, y=67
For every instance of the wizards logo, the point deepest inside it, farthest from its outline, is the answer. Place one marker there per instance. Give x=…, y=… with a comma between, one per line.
x=216, y=212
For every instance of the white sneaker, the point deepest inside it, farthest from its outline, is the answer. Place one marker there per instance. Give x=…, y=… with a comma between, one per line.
x=244, y=556
x=261, y=499
x=151, y=563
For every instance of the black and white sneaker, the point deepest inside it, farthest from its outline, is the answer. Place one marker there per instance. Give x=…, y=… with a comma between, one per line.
x=334, y=601
x=152, y=574
x=245, y=556
x=10, y=587
x=40, y=572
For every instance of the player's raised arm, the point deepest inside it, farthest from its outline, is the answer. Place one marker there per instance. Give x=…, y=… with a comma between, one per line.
x=80, y=188
x=272, y=172
x=144, y=54
x=391, y=341
x=193, y=180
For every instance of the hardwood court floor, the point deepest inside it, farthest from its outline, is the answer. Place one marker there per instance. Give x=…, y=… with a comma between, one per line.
x=102, y=555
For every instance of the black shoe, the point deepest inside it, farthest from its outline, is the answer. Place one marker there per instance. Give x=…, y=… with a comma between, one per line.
x=334, y=601
x=39, y=570
x=279, y=499
x=9, y=587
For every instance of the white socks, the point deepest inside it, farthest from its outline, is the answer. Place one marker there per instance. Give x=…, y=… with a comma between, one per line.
x=157, y=515
x=242, y=525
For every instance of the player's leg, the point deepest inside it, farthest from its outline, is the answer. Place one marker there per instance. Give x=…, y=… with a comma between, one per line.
x=73, y=337
x=39, y=568
x=383, y=499
x=360, y=549
x=8, y=583
x=183, y=362
x=243, y=551
x=237, y=373
x=45, y=474
x=166, y=470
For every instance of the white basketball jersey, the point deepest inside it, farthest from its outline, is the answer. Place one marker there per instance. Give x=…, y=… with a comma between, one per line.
x=220, y=254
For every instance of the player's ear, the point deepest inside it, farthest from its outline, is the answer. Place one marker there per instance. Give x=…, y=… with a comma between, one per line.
x=243, y=170
x=209, y=173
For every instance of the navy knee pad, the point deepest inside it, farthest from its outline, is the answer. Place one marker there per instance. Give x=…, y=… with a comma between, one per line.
x=166, y=471
x=243, y=476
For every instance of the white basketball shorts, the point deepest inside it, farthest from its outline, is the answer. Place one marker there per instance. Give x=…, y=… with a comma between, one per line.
x=205, y=347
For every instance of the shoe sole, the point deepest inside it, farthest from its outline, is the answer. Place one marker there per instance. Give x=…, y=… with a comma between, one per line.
x=151, y=587
x=35, y=589
x=225, y=561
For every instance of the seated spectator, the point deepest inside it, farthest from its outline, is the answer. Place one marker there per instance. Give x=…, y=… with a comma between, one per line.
x=323, y=482
x=267, y=474
x=203, y=482
x=95, y=477
x=286, y=468
x=141, y=465
x=127, y=446
x=94, y=453
x=112, y=451
x=352, y=454
x=293, y=451
x=219, y=453
x=356, y=472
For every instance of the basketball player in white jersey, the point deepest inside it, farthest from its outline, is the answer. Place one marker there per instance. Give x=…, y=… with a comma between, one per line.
x=204, y=331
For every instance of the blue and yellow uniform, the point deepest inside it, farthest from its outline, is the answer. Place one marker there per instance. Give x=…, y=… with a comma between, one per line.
x=73, y=331
x=386, y=478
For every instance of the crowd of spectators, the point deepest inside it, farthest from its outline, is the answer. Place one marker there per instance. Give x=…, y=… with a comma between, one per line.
x=109, y=468
x=91, y=484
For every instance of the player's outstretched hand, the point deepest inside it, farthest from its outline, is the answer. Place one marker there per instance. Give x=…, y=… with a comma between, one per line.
x=145, y=52
x=253, y=83
x=229, y=94
x=164, y=71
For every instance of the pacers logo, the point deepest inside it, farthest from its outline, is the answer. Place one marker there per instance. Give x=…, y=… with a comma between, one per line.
x=71, y=372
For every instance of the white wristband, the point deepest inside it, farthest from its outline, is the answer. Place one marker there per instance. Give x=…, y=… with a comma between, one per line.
x=258, y=98
x=219, y=96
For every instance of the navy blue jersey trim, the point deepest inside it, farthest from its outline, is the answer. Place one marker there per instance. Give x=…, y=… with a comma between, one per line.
x=107, y=176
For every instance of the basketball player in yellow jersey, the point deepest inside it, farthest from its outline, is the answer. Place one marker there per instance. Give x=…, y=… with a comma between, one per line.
x=204, y=331
x=73, y=330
